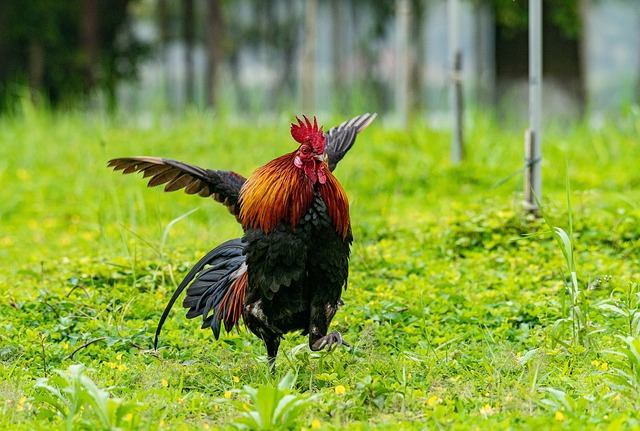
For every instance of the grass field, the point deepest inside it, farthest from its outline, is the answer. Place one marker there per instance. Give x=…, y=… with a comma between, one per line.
x=461, y=308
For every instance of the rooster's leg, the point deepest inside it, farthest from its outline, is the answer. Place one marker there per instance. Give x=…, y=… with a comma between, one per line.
x=272, y=343
x=258, y=323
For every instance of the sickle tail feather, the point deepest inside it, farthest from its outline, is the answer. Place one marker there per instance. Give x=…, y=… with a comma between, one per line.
x=217, y=292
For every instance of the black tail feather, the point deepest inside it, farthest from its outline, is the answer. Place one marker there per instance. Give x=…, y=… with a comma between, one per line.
x=209, y=287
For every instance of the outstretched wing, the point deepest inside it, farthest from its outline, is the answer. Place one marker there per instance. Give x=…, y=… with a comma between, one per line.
x=223, y=186
x=340, y=139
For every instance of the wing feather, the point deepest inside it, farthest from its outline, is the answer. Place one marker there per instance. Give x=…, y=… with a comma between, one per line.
x=223, y=186
x=340, y=139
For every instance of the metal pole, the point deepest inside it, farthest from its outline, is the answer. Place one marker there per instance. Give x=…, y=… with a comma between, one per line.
x=455, y=88
x=533, y=155
x=403, y=69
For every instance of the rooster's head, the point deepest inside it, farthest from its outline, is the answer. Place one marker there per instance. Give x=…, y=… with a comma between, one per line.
x=310, y=154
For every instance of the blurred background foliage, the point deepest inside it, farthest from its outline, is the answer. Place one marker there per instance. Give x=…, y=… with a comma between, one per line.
x=339, y=56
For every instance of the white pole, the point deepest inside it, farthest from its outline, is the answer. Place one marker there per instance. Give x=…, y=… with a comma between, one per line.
x=533, y=155
x=455, y=84
x=403, y=69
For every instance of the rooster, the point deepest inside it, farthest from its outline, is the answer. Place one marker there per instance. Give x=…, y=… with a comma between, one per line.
x=288, y=270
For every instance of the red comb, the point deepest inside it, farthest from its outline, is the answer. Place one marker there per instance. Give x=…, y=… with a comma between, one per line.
x=304, y=131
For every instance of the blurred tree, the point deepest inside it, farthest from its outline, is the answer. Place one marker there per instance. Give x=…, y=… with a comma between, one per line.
x=339, y=56
x=308, y=56
x=385, y=11
x=215, y=50
x=65, y=50
x=561, y=42
x=89, y=43
x=189, y=35
x=163, y=22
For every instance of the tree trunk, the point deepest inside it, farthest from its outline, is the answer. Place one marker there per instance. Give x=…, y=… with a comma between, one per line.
x=36, y=69
x=637, y=84
x=416, y=83
x=215, y=50
x=338, y=41
x=4, y=69
x=188, y=29
x=485, y=85
x=308, y=58
x=89, y=42
x=162, y=16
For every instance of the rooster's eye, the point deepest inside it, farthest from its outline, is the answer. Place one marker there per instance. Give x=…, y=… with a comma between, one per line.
x=305, y=150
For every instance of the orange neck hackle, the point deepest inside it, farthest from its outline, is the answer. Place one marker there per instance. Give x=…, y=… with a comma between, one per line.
x=277, y=192
x=280, y=193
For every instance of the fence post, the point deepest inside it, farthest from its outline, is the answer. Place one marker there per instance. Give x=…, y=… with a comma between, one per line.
x=455, y=89
x=533, y=139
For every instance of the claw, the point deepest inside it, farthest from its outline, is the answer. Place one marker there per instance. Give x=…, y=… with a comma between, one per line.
x=333, y=337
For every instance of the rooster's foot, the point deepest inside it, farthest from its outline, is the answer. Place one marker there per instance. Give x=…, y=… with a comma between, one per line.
x=333, y=337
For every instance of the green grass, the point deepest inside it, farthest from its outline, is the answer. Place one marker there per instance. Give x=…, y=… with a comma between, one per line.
x=459, y=306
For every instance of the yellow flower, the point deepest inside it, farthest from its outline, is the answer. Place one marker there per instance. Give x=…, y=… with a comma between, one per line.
x=20, y=405
x=227, y=394
x=23, y=174
x=236, y=379
x=315, y=424
x=340, y=390
x=164, y=383
x=604, y=366
x=205, y=426
x=110, y=365
x=486, y=410
x=559, y=416
x=128, y=417
x=66, y=346
x=180, y=400
x=595, y=363
x=122, y=367
x=161, y=424
x=432, y=401
x=119, y=356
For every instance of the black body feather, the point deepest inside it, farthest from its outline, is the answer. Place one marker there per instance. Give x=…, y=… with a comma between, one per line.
x=296, y=277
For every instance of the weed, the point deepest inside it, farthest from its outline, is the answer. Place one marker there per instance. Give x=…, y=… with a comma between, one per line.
x=625, y=303
x=578, y=318
x=624, y=374
x=75, y=398
x=271, y=407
